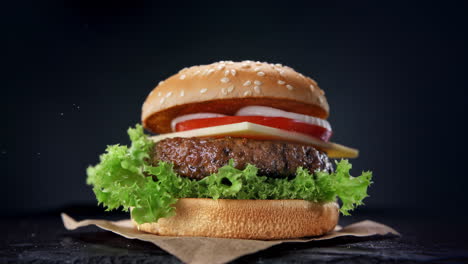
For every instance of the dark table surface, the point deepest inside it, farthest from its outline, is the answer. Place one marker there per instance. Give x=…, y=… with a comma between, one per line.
x=42, y=238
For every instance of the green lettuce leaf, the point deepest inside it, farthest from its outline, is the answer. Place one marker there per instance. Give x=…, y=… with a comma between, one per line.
x=125, y=179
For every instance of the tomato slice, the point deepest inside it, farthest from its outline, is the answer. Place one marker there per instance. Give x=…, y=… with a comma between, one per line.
x=276, y=122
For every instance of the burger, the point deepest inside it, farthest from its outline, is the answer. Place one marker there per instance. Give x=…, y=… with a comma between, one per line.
x=238, y=150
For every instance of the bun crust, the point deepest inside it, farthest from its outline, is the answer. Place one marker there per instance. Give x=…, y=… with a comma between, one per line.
x=246, y=219
x=225, y=87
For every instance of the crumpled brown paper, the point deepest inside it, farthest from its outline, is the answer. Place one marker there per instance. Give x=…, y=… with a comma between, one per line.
x=221, y=250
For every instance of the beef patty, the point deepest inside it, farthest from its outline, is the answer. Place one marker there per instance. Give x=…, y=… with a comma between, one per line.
x=199, y=157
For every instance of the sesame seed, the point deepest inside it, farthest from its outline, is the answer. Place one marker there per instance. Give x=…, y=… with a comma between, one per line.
x=258, y=63
x=320, y=99
x=159, y=94
x=257, y=69
x=220, y=67
x=247, y=83
x=182, y=93
x=168, y=94
x=247, y=93
x=203, y=90
x=280, y=82
x=224, y=91
x=233, y=72
x=226, y=72
x=261, y=74
x=322, y=92
x=243, y=65
x=230, y=62
x=312, y=87
x=278, y=65
x=210, y=71
x=182, y=77
x=162, y=100
x=161, y=82
x=281, y=72
x=257, y=89
x=258, y=82
x=230, y=88
x=290, y=87
x=225, y=80
x=196, y=73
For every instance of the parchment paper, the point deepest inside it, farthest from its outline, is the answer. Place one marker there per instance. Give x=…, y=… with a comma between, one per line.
x=221, y=250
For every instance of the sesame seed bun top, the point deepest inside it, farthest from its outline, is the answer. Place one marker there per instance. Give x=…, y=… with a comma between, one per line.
x=225, y=87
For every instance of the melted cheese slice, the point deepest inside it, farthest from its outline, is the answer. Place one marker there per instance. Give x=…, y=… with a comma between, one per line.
x=247, y=129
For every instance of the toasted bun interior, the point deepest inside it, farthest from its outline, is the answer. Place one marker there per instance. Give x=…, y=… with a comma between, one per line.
x=246, y=219
x=225, y=87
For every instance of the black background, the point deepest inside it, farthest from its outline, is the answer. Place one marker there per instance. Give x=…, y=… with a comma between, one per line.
x=77, y=73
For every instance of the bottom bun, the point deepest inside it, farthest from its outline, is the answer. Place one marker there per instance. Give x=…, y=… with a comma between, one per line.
x=247, y=219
